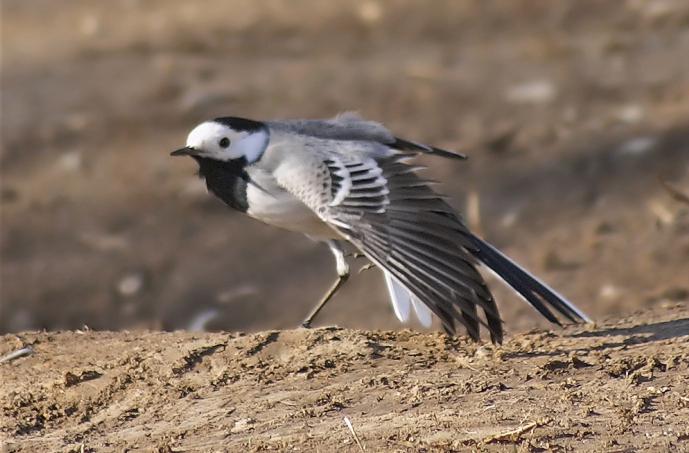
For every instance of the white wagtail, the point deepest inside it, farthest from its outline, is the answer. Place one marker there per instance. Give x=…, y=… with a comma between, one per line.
x=348, y=180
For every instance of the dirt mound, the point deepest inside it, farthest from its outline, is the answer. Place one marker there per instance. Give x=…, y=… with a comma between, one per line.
x=616, y=387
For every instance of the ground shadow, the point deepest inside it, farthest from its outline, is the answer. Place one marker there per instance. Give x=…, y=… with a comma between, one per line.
x=634, y=335
x=645, y=333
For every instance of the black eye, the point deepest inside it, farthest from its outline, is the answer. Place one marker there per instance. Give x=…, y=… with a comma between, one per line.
x=224, y=142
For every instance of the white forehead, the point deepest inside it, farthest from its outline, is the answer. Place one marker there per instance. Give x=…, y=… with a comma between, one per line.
x=209, y=130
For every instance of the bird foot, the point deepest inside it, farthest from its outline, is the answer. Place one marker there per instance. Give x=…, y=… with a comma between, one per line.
x=366, y=267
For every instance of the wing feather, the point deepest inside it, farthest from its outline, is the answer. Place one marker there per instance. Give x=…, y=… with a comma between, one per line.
x=349, y=126
x=426, y=252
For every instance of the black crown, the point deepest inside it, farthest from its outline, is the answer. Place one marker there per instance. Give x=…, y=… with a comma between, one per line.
x=240, y=124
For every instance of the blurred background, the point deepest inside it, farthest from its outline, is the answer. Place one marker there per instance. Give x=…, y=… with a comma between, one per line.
x=575, y=115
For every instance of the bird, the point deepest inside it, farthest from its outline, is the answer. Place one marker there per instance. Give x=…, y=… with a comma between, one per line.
x=350, y=182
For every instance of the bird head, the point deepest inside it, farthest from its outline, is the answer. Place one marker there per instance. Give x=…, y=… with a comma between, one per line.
x=226, y=139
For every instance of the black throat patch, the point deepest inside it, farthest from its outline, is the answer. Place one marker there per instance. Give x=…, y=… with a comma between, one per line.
x=227, y=180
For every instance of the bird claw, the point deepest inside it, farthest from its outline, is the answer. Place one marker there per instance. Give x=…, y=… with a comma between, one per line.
x=365, y=267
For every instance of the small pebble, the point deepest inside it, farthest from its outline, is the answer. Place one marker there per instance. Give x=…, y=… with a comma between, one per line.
x=538, y=91
x=130, y=285
x=637, y=146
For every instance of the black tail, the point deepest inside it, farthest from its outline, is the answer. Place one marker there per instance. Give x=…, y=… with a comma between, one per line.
x=535, y=292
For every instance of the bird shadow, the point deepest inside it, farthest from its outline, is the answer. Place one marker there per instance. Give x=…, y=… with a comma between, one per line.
x=633, y=335
x=645, y=333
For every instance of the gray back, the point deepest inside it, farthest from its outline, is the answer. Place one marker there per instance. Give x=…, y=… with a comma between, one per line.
x=346, y=126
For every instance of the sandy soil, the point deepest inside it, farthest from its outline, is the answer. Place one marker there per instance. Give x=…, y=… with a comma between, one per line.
x=575, y=115
x=618, y=387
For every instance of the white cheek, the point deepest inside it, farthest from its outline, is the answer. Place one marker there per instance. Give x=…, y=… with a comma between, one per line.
x=252, y=146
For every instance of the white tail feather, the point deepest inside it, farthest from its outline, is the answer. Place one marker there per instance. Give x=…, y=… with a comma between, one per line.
x=402, y=300
x=423, y=313
x=399, y=297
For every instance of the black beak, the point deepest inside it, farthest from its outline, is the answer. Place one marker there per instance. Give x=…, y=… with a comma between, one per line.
x=186, y=151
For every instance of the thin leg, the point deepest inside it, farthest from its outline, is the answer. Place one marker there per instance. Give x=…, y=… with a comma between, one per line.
x=342, y=276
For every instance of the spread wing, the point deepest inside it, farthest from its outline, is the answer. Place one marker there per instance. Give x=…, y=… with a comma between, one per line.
x=352, y=174
x=418, y=239
x=382, y=207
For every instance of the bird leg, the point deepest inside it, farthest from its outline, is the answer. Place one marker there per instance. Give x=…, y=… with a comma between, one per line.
x=342, y=276
x=331, y=292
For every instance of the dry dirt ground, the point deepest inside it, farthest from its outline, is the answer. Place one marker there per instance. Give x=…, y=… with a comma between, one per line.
x=618, y=387
x=575, y=115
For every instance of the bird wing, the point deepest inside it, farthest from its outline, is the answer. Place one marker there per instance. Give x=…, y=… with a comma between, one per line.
x=352, y=127
x=382, y=207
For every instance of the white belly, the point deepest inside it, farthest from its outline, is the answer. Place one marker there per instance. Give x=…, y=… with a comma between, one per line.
x=282, y=210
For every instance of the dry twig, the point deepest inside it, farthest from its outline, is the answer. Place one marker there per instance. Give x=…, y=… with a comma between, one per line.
x=675, y=192
x=512, y=435
x=16, y=354
x=351, y=430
